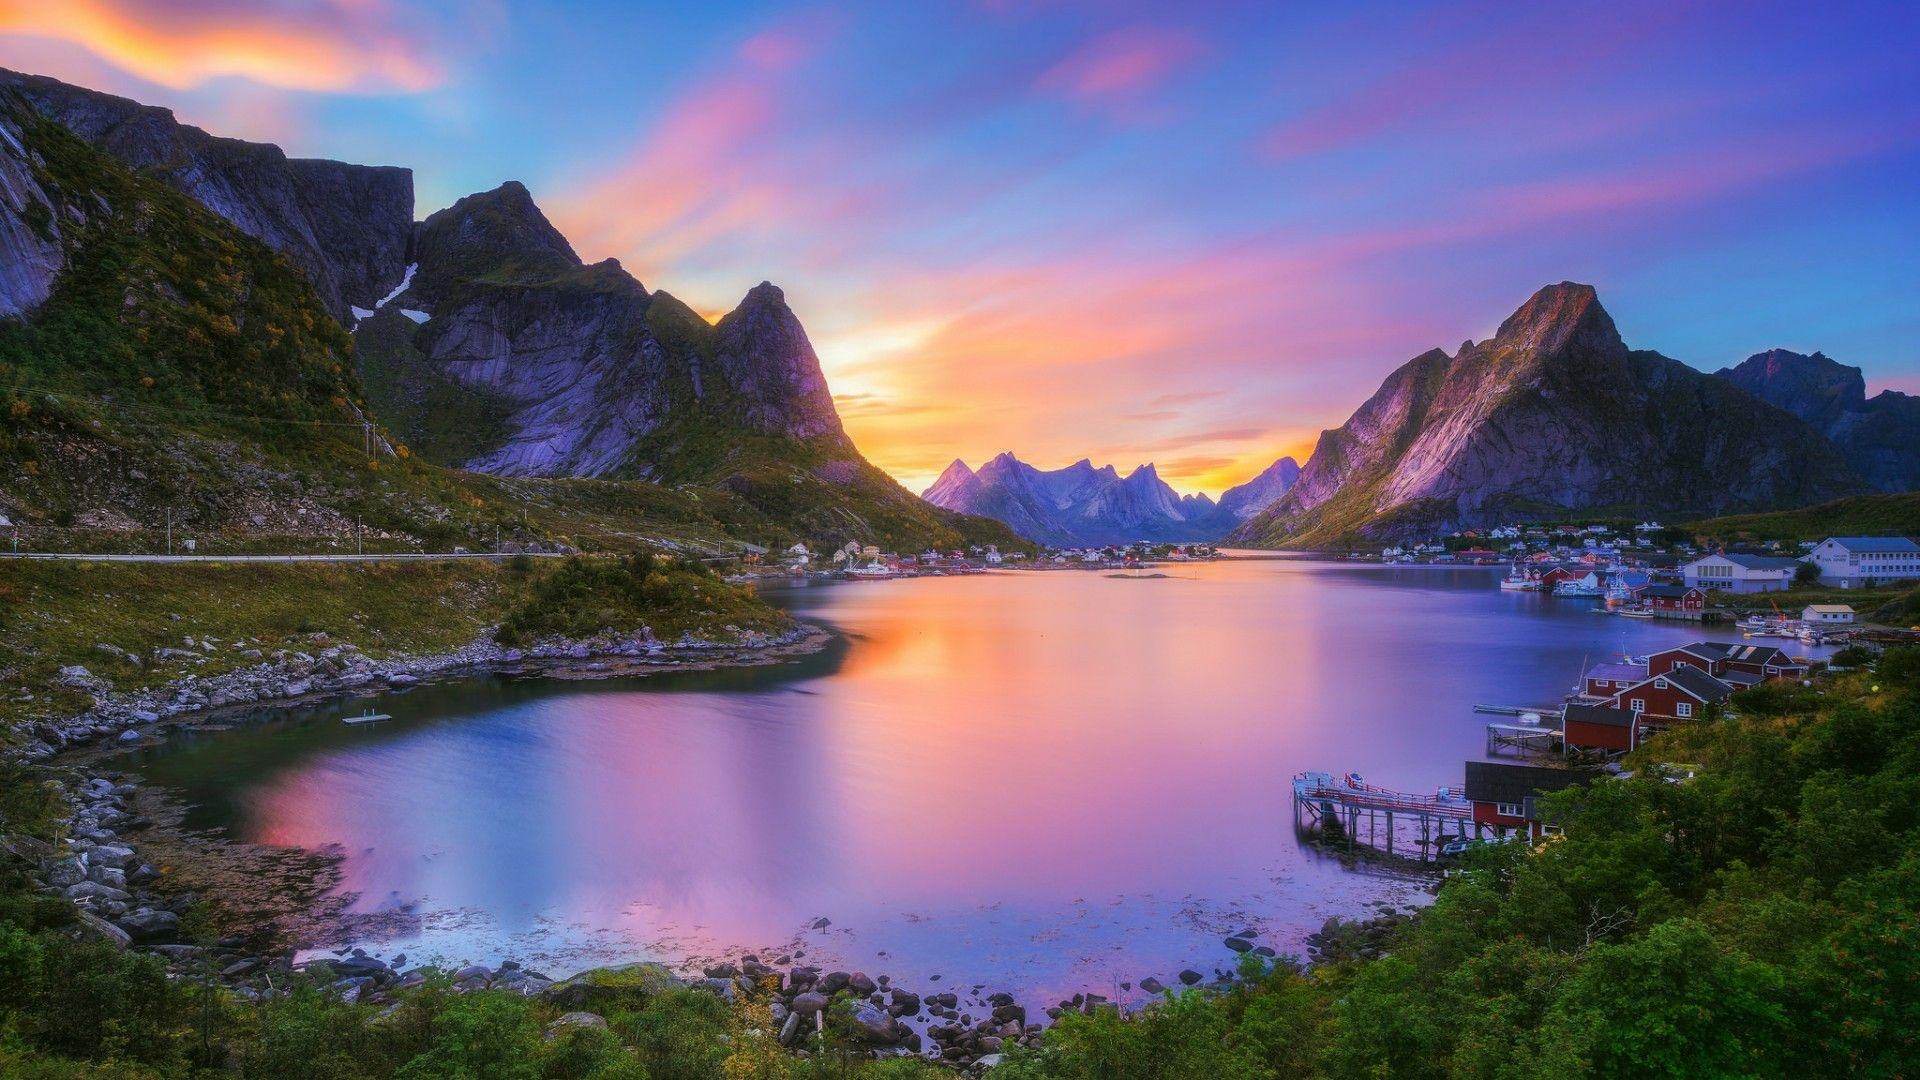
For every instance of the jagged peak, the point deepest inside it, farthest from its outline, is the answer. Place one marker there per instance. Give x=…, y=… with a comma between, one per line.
x=1557, y=317
x=957, y=470
x=1147, y=471
x=503, y=223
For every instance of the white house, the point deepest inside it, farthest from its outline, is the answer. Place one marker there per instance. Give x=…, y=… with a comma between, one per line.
x=1849, y=562
x=1739, y=573
x=1829, y=614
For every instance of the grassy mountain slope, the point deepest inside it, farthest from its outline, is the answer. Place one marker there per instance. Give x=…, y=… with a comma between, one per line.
x=1864, y=515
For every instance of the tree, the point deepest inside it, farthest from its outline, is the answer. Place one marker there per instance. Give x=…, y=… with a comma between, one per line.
x=1806, y=575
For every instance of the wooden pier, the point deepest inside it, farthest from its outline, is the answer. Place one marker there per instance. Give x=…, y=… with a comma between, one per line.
x=1526, y=738
x=1374, y=817
x=1543, y=711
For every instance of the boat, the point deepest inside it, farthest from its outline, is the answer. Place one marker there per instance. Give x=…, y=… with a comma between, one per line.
x=1518, y=581
x=1634, y=613
x=871, y=570
x=367, y=717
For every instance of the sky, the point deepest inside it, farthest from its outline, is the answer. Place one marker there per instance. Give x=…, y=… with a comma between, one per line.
x=1192, y=234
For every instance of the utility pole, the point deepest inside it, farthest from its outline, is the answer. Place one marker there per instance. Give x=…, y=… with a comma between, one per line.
x=169, y=530
x=357, y=548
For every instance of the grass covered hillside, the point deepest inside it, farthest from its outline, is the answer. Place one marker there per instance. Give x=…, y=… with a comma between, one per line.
x=1865, y=515
x=146, y=625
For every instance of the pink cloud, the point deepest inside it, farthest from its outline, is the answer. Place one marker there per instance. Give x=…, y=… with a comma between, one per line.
x=1120, y=65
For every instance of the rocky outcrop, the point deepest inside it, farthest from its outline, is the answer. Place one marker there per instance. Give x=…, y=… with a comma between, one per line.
x=1552, y=416
x=346, y=226
x=1880, y=436
x=1081, y=505
x=31, y=254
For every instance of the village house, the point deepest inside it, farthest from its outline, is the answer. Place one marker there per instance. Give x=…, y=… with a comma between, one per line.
x=1849, y=562
x=1674, y=598
x=1603, y=727
x=1739, y=573
x=1826, y=614
x=1506, y=796
x=1683, y=693
x=1603, y=681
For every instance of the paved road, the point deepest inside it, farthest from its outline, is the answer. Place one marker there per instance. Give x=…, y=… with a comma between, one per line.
x=402, y=557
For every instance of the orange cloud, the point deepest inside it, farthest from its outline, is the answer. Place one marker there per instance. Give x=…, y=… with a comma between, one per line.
x=322, y=45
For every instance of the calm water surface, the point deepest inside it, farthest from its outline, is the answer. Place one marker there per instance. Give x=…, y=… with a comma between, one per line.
x=1042, y=782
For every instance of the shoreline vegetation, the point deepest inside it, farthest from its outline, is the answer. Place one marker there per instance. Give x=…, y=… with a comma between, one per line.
x=1757, y=919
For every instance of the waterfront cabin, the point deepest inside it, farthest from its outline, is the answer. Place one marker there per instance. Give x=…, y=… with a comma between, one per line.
x=1740, y=573
x=1849, y=562
x=1708, y=656
x=1555, y=576
x=1603, y=681
x=1827, y=614
x=1506, y=796
x=1606, y=728
x=1674, y=598
x=1683, y=693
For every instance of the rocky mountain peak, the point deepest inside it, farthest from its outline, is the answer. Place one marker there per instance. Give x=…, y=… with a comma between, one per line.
x=1807, y=386
x=496, y=231
x=766, y=358
x=1262, y=491
x=1559, y=317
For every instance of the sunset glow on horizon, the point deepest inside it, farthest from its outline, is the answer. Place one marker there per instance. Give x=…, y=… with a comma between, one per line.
x=1127, y=232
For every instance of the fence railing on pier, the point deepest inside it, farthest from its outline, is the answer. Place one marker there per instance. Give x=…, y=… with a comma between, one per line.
x=1367, y=814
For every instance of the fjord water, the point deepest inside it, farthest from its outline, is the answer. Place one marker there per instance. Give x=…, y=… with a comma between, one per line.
x=1043, y=782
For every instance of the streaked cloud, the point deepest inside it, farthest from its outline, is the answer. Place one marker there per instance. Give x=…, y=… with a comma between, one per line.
x=319, y=45
x=1119, y=67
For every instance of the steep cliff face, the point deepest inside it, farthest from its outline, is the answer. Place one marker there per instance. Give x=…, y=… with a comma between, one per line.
x=1082, y=505
x=598, y=376
x=31, y=254
x=1880, y=436
x=346, y=226
x=1553, y=415
x=771, y=371
x=501, y=307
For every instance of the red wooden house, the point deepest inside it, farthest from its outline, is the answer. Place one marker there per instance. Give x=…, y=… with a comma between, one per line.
x=1707, y=656
x=1504, y=795
x=1603, y=681
x=1674, y=598
x=1682, y=693
x=1557, y=575
x=1607, y=728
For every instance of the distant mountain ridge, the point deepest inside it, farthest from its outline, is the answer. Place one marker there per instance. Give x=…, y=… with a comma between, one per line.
x=1553, y=416
x=1084, y=505
x=1880, y=436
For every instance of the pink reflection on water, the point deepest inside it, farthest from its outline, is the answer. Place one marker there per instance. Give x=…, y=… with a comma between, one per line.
x=1045, y=782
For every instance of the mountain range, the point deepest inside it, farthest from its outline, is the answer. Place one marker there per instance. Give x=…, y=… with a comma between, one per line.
x=1081, y=505
x=1880, y=436
x=210, y=326
x=1554, y=416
